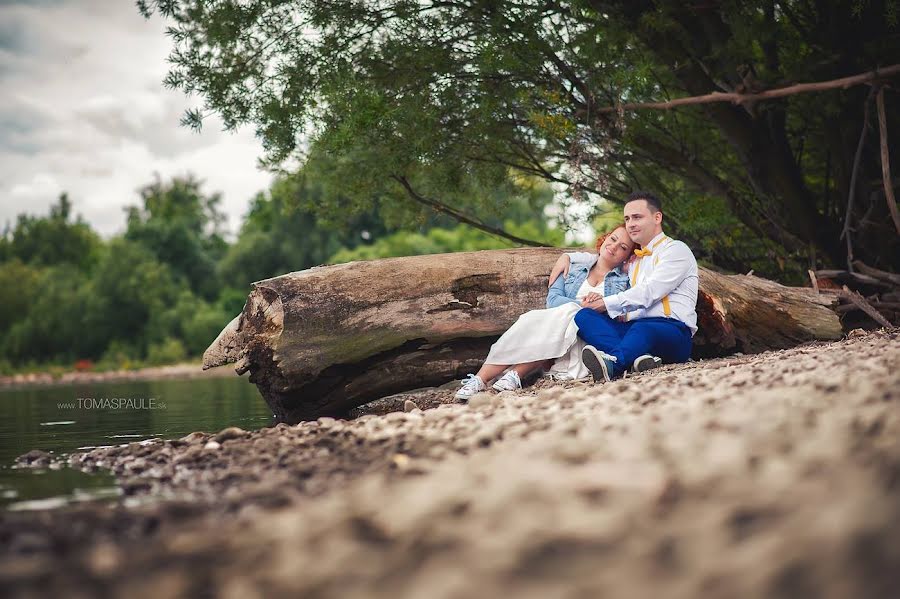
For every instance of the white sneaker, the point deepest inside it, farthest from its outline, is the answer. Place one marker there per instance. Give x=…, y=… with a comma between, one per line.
x=599, y=363
x=470, y=386
x=645, y=363
x=508, y=382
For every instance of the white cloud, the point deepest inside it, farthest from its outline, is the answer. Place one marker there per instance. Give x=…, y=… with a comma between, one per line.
x=83, y=110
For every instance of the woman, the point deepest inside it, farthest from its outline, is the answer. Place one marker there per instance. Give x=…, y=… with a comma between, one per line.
x=540, y=336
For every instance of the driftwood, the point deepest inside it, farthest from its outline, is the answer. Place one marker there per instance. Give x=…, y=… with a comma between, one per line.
x=858, y=278
x=324, y=340
x=860, y=302
x=882, y=306
x=887, y=277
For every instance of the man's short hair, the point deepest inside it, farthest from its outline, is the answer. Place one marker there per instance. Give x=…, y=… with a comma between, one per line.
x=653, y=202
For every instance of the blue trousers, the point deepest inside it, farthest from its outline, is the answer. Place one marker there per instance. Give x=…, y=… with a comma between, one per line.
x=666, y=338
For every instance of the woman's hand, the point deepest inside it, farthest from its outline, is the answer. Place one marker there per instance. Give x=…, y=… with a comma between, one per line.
x=560, y=268
x=594, y=301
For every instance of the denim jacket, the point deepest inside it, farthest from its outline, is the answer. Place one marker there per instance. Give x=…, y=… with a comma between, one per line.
x=564, y=289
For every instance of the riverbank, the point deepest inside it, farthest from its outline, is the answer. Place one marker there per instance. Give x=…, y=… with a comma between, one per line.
x=172, y=371
x=775, y=474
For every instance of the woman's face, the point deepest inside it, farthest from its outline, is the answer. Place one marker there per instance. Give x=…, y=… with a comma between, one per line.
x=616, y=247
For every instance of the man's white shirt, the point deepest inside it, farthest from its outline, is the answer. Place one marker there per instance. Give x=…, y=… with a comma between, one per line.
x=669, y=271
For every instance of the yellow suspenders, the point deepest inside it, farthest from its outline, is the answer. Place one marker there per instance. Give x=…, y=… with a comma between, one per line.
x=667, y=309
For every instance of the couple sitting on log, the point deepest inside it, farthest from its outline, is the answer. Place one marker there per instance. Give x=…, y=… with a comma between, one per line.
x=621, y=307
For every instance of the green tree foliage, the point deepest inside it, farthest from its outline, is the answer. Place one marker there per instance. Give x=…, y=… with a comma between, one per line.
x=190, y=319
x=49, y=326
x=412, y=105
x=128, y=287
x=162, y=291
x=439, y=240
x=126, y=299
x=51, y=240
x=18, y=291
x=181, y=227
x=281, y=233
x=292, y=227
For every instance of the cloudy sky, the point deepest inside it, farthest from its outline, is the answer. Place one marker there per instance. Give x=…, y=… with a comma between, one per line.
x=83, y=110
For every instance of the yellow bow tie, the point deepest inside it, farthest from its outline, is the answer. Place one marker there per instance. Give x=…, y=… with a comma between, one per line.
x=642, y=253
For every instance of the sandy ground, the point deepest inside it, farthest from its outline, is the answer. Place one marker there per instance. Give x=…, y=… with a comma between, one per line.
x=769, y=475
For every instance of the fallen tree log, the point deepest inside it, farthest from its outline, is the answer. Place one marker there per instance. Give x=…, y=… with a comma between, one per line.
x=322, y=341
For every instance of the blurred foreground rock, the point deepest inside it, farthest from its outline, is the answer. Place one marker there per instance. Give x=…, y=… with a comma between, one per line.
x=776, y=474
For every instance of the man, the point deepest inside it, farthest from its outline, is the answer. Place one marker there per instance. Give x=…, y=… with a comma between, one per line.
x=659, y=309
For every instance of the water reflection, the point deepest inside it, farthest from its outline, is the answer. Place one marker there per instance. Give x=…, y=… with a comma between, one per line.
x=63, y=419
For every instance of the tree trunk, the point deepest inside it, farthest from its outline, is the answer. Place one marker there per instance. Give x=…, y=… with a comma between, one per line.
x=324, y=340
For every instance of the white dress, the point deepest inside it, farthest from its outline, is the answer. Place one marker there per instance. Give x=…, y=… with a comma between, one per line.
x=546, y=334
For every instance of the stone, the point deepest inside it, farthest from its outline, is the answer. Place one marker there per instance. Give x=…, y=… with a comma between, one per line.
x=195, y=437
x=232, y=432
x=481, y=400
x=35, y=457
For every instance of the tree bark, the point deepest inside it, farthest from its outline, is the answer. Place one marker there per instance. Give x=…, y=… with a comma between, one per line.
x=325, y=340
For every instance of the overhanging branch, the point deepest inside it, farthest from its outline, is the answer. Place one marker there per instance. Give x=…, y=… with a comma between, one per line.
x=461, y=217
x=735, y=98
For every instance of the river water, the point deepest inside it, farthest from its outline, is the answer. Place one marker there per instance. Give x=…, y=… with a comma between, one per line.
x=66, y=418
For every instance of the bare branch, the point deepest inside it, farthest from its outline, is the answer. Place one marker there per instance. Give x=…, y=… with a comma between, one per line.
x=885, y=161
x=853, y=177
x=461, y=217
x=735, y=98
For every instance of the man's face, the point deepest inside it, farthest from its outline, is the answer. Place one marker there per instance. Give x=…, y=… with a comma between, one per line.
x=642, y=223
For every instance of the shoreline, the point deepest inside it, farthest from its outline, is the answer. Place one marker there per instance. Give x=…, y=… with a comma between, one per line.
x=172, y=371
x=772, y=474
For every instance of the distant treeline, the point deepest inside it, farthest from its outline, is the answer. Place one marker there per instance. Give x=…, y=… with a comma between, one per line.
x=161, y=291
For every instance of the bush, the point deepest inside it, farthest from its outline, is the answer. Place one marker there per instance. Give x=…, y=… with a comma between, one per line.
x=119, y=355
x=231, y=301
x=169, y=351
x=203, y=327
x=462, y=238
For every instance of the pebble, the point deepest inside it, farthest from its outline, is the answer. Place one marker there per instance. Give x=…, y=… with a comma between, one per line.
x=34, y=457
x=232, y=432
x=481, y=400
x=194, y=437
x=655, y=450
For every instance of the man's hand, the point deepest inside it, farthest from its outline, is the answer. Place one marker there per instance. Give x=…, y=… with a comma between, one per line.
x=560, y=268
x=594, y=301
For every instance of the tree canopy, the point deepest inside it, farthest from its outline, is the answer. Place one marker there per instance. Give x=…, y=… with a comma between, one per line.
x=162, y=290
x=434, y=105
